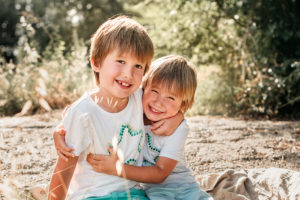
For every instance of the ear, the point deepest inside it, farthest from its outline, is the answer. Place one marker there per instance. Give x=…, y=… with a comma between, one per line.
x=95, y=64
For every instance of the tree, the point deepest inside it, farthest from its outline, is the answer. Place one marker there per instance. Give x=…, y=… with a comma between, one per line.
x=53, y=21
x=256, y=43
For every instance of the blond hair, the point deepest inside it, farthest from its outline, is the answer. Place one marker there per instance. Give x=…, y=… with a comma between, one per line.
x=125, y=35
x=174, y=72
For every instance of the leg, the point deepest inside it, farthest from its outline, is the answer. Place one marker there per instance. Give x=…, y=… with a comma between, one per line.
x=192, y=192
x=162, y=192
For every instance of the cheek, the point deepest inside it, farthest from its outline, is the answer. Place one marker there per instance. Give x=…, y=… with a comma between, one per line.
x=146, y=98
x=173, y=108
x=138, y=74
x=143, y=100
x=139, y=77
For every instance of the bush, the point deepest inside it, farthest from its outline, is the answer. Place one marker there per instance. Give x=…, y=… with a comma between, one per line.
x=36, y=83
x=256, y=44
x=213, y=94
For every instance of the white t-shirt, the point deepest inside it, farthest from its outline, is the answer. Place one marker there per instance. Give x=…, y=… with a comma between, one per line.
x=171, y=147
x=90, y=129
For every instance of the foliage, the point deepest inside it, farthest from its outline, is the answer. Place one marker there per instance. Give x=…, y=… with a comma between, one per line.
x=252, y=49
x=52, y=81
x=211, y=88
x=49, y=53
x=54, y=20
x=256, y=43
x=270, y=75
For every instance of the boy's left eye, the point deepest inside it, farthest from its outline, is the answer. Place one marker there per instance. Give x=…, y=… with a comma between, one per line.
x=139, y=66
x=171, y=98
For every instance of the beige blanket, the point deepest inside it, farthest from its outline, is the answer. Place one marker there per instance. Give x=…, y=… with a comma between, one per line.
x=252, y=184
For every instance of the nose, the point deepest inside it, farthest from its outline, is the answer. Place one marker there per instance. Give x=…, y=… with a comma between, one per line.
x=158, y=101
x=128, y=72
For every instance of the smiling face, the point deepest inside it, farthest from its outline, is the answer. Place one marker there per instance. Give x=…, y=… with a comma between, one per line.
x=160, y=102
x=124, y=34
x=120, y=74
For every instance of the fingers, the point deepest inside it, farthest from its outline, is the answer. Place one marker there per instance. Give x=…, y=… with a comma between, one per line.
x=59, y=141
x=110, y=150
x=60, y=129
x=158, y=131
x=65, y=149
x=163, y=130
x=61, y=155
x=95, y=164
x=67, y=153
x=158, y=128
x=95, y=160
x=96, y=157
x=156, y=125
x=90, y=160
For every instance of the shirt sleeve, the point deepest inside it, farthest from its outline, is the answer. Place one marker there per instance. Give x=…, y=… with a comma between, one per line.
x=77, y=134
x=174, y=146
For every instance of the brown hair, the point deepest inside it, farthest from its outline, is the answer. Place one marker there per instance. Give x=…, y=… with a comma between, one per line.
x=174, y=71
x=125, y=35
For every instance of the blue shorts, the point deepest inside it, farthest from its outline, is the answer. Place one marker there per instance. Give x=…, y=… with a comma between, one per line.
x=177, y=191
x=132, y=194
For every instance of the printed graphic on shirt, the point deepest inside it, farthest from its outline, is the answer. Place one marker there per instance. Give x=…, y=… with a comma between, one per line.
x=126, y=129
x=151, y=146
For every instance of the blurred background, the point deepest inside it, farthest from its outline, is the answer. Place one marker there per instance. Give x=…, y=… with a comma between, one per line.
x=247, y=52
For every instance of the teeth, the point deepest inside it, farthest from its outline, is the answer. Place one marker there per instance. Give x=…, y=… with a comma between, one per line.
x=154, y=110
x=124, y=84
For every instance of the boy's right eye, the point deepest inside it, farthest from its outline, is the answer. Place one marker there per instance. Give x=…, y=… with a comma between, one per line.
x=121, y=61
x=155, y=91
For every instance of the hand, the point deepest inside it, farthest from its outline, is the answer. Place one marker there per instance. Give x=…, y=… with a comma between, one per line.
x=167, y=126
x=62, y=149
x=108, y=164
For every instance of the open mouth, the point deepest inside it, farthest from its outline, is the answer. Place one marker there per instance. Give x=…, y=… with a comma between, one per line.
x=152, y=109
x=123, y=84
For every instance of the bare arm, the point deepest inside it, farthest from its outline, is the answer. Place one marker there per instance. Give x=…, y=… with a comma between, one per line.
x=151, y=174
x=63, y=151
x=167, y=126
x=146, y=174
x=61, y=178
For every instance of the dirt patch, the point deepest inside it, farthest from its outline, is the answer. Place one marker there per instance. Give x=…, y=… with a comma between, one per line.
x=216, y=144
x=27, y=154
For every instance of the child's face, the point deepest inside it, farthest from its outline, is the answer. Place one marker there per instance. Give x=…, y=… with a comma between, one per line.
x=120, y=75
x=160, y=102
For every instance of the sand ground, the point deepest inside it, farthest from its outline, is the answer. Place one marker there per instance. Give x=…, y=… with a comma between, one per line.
x=27, y=154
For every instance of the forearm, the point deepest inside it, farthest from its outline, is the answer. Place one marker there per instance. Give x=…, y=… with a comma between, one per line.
x=58, y=188
x=149, y=174
x=61, y=178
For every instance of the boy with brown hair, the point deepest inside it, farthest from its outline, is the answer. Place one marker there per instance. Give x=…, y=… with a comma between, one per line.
x=121, y=52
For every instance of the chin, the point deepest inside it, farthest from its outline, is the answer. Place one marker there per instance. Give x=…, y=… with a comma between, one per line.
x=155, y=119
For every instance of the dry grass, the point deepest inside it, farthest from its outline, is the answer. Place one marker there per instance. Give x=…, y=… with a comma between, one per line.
x=44, y=84
x=213, y=94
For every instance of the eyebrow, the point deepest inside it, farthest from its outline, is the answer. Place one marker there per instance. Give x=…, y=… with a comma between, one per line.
x=175, y=94
x=171, y=93
x=122, y=55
